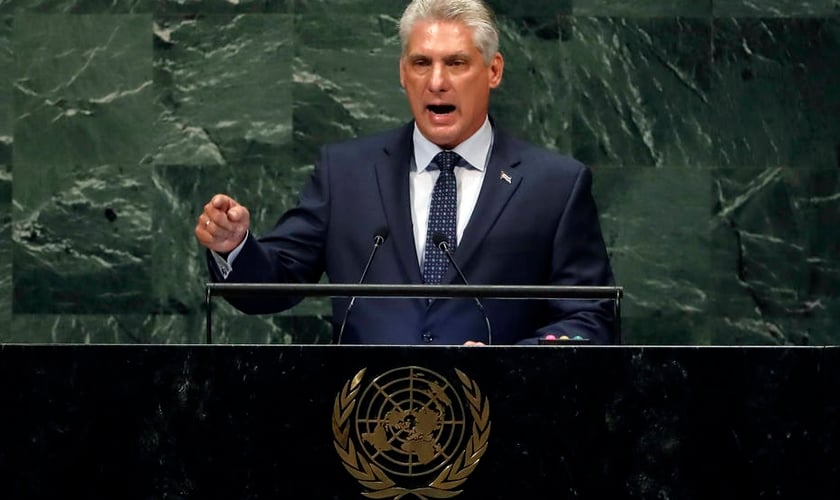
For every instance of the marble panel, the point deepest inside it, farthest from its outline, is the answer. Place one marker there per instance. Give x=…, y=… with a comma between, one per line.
x=346, y=79
x=534, y=100
x=228, y=327
x=6, y=80
x=81, y=239
x=6, y=60
x=640, y=91
x=89, y=329
x=655, y=224
x=776, y=93
x=519, y=9
x=530, y=9
x=643, y=8
x=386, y=8
x=775, y=8
x=223, y=6
x=83, y=82
x=775, y=256
x=78, y=6
x=223, y=88
x=5, y=249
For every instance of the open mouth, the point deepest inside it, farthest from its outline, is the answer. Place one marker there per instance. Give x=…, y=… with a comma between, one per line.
x=441, y=109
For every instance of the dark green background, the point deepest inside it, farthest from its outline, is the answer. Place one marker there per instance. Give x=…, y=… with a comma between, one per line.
x=712, y=128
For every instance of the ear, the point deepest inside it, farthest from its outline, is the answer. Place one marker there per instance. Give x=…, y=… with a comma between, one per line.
x=402, y=72
x=495, y=70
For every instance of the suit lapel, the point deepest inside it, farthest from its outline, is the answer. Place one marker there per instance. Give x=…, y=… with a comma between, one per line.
x=392, y=170
x=500, y=182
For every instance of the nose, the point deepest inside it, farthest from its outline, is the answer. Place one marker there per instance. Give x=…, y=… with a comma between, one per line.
x=439, y=79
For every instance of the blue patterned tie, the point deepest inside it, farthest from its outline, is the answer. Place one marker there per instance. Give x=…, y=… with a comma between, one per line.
x=442, y=217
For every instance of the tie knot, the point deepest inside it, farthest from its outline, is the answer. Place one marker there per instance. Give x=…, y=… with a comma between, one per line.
x=446, y=160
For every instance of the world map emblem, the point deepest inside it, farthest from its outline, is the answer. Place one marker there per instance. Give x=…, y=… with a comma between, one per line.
x=411, y=432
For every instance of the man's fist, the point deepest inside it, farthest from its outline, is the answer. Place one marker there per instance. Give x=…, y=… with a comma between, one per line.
x=223, y=224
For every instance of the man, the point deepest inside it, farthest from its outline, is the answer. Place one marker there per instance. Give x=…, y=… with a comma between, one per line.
x=512, y=213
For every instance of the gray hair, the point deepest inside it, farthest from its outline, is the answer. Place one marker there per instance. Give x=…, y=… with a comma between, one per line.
x=473, y=13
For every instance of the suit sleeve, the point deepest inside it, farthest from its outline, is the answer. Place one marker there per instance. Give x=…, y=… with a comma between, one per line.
x=292, y=252
x=580, y=258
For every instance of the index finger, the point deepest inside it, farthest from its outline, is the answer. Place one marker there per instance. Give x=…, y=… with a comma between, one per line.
x=221, y=202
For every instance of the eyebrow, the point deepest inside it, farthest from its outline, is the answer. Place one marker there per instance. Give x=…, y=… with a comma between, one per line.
x=448, y=57
x=458, y=55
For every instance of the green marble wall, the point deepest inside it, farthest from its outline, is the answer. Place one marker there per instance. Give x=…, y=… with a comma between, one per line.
x=712, y=128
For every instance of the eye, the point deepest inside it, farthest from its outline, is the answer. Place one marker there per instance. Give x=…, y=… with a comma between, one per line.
x=458, y=63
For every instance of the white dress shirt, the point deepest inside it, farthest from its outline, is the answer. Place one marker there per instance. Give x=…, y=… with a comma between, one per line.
x=468, y=178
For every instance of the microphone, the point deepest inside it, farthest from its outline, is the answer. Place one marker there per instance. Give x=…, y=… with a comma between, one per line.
x=379, y=237
x=441, y=242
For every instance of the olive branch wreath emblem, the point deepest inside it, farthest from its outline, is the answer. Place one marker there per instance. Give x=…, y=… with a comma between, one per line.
x=378, y=483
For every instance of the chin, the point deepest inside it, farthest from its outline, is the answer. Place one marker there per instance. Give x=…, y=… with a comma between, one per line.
x=442, y=139
x=444, y=143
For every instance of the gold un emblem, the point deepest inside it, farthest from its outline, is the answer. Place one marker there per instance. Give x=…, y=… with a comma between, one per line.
x=409, y=432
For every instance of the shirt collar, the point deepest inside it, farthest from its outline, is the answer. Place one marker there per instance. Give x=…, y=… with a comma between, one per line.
x=474, y=150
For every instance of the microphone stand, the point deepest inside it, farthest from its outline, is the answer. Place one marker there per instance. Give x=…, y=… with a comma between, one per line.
x=440, y=241
x=378, y=240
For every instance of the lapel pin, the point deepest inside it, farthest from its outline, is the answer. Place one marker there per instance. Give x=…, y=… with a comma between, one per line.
x=505, y=177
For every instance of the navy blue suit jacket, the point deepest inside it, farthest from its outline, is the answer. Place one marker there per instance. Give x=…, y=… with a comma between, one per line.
x=539, y=228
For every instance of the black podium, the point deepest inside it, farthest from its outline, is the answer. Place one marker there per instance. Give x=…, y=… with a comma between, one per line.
x=342, y=422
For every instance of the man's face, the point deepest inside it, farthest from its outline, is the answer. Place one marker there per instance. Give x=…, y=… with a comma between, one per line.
x=446, y=81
